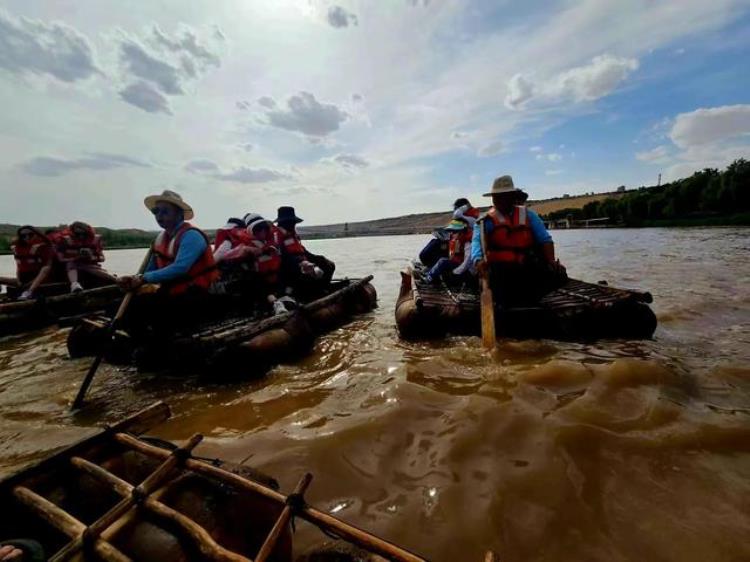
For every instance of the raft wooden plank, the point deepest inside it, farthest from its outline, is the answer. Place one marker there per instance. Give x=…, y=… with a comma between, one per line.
x=281, y=523
x=318, y=518
x=200, y=537
x=137, y=423
x=64, y=522
x=48, y=302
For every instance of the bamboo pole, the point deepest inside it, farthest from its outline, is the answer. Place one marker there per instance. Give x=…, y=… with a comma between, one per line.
x=283, y=520
x=140, y=492
x=318, y=518
x=65, y=523
x=208, y=547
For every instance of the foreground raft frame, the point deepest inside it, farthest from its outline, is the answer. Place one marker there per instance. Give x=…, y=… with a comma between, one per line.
x=96, y=538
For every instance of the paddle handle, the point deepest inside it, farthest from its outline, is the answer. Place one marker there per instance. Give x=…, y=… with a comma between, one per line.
x=487, y=301
x=78, y=402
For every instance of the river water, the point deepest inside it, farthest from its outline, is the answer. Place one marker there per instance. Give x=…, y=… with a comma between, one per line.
x=544, y=450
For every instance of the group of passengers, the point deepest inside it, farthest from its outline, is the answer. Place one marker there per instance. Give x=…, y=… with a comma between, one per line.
x=251, y=256
x=509, y=242
x=73, y=253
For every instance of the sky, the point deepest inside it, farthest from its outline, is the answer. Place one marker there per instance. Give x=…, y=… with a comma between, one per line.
x=356, y=110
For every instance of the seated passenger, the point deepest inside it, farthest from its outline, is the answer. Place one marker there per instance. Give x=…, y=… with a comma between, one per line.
x=34, y=256
x=80, y=249
x=458, y=261
x=516, y=248
x=267, y=260
x=437, y=247
x=231, y=242
x=300, y=269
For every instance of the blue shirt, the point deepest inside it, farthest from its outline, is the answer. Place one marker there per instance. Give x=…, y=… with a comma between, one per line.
x=538, y=231
x=192, y=246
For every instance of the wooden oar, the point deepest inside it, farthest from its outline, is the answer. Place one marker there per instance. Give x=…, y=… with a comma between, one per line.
x=78, y=402
x=487, y=302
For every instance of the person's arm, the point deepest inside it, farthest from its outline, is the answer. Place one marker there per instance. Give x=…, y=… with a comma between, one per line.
x=192, y=246
x=220, y=253
x=541, y=236
x=467, y=259
x=477, y=254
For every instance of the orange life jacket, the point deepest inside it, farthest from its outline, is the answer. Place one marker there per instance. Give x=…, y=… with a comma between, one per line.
x=268, y=263
x=31, y=256
x=238, y=236
x=69, y=246
x=288, y=242
x=511, y=238
x=456, y=245
x=201, y=274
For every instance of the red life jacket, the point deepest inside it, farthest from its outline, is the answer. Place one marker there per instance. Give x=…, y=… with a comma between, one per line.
x=69, y=246
x=456, y=245
x=472, y=212
x=201, y=274
x=511, y=238
x=288, y=242
x=268, y=263
x=31, y=256
x=238, y=236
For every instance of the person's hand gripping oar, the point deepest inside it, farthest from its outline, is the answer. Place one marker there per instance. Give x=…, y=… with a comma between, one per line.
x=78, y=402
x=487, y=301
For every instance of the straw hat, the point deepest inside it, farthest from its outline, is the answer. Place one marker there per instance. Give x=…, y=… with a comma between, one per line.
x=503, y=185
x=168, y=196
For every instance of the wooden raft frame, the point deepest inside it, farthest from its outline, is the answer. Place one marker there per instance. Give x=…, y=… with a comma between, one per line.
x=146, y=496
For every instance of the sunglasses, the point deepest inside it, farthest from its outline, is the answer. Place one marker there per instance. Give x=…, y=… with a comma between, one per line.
x=161, y=211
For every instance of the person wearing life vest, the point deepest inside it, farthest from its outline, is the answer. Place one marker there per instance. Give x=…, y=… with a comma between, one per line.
x=80, y=249
x=34, y=255
x=437, y=247
x=231, y=243
x=300, y=269
x=519, y=252
x=182, y=261
x=458, y=261
x=267, y=261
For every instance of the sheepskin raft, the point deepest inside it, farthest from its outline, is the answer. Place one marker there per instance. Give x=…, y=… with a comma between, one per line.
x=119, y=496
x=235, y=345
x=576, y=311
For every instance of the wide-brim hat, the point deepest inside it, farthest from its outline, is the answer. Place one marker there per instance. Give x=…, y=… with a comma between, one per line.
x=168, y=196
x=504, y=186
x=457, y=225
x=286, y=214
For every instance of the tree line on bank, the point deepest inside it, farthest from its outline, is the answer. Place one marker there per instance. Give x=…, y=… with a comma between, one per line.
x=709, y=196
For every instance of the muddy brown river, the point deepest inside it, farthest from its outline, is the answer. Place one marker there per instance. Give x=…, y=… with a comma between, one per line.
x=615, y=450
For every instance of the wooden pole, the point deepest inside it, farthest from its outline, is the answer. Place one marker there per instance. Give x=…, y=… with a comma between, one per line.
x=282, y=522
x=78, y=402
x=487, y=302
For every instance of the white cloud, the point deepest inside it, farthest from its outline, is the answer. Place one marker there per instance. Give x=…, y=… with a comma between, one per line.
x=32, y=46
x=657, y=155
x=491, y=149
x=186, y=42
x=243, y=174
x=535, y=149
x=551, y=157
x=307, y=115
x=201, y=165
x=49, y=166
x=709, y=125
x=553, y=172
x=594, y=80
x=349, y=161
x=144, y=95
x=339, y=17
x=520, y=90
x=267, y=102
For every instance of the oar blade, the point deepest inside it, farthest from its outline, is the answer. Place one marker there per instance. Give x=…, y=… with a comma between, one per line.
x=487, y=306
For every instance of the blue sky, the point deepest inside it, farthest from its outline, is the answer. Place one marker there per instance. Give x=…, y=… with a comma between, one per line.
x=353, y=110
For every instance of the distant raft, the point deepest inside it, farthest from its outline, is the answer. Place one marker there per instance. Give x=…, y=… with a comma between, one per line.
x=53, y=304
x=576, y=311
x=241, y=345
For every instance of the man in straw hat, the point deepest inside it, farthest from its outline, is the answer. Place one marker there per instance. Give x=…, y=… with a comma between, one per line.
x=516, y=247
x=182, y=261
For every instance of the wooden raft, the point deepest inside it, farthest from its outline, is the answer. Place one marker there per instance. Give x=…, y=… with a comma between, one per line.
x=145, y=499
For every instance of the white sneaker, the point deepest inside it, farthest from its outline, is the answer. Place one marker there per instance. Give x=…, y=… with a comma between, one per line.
x=279, y=308
x=76, y=287
x=26, y=295
x=317, y=272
